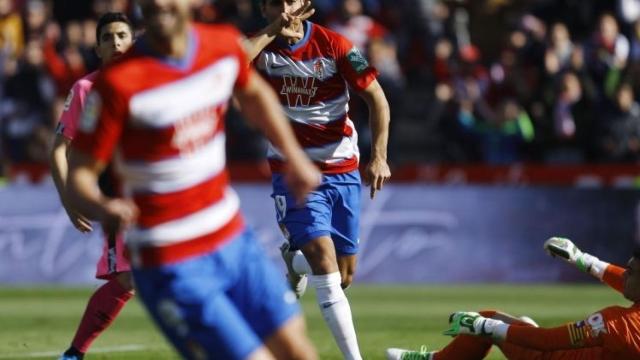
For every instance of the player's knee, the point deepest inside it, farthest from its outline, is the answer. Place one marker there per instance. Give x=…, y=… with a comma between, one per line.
x=347, y=279
x=321, y=256
x=125, y=280
x=322, y=263
x=488, y=313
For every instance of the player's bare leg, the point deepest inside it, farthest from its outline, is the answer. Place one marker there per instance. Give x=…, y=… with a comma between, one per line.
x=261, y=353
x=290, y=341
x=347, y=266
x=335, y=308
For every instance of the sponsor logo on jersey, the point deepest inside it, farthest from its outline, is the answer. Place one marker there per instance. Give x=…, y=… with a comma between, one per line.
x=278, y=66
x=318, y=69
x=298, y=91
x=195, y=130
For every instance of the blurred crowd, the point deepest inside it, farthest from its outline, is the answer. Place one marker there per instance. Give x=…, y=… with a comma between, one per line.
x=485, y=81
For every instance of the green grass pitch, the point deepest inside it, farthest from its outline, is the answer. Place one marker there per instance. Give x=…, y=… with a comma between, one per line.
x=39, y=323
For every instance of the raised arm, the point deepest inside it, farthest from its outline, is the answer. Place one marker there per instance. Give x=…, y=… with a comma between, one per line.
x=566, y=250
x=287, y=26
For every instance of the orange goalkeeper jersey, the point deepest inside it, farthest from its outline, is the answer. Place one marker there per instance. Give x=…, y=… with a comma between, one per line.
x=611, y=333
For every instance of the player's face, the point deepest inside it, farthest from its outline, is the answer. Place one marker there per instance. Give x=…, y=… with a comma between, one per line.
x=631, y=279
x=273, y=8
x=114, y=39
x=164, y=19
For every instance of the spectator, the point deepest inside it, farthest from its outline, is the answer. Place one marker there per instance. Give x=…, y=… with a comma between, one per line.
x=11, y=38
x=559, y=49
x=502, y=136
x=608, y=55
x=26, y=115
x=621, y=128
x=353, y=24
x=36, y=16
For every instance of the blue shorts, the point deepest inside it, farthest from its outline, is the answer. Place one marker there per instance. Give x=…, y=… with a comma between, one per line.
x=221, y=305
x=333, y=209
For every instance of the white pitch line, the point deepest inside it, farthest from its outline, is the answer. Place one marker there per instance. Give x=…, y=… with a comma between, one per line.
x=103, y=350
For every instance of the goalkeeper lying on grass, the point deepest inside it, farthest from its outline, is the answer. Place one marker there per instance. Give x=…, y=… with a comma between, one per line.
x=610, y=333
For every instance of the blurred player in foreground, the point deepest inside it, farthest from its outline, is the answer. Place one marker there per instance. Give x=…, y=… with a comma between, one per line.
x=313, y=73
x=159, y=112
x=114, y=35
x=612, y=333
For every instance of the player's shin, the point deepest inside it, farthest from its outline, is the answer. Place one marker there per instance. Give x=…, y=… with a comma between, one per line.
x=336, y=312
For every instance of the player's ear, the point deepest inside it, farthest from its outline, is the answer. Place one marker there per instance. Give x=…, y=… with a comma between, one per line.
x=96, y=49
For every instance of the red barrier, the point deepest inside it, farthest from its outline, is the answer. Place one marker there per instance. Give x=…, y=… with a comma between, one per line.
x=594, y=175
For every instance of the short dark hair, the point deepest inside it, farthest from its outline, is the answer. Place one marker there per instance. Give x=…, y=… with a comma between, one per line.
x=112, y=17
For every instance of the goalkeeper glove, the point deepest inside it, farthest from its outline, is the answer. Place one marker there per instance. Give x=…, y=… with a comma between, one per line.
x=566, y=250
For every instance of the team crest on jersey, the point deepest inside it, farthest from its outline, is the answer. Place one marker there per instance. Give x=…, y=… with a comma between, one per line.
x=357, y=60
x=68, y=100
x=298, y=91
x=318, y=69
x=89, y=117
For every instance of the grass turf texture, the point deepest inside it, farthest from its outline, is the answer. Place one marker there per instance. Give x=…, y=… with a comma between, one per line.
x=36, y=322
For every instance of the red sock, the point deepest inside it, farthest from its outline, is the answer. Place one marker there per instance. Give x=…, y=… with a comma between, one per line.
x=103, y=307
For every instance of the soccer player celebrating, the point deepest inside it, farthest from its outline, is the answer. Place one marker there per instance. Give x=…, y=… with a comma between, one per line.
x=608, y=334
x=158, y=111
x=114, y=35
x=312, y=74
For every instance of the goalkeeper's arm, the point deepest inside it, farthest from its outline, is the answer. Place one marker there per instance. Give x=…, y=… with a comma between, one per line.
x=569, y=252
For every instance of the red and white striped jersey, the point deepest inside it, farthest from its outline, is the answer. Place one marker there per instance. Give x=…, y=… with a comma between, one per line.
x=312, y=79
x=162, y=121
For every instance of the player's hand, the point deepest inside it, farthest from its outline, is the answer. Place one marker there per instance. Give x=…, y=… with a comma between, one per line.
x=79, y=221
x=305, y=12
x=376, y=174
x=302, y=177
x=569, y=252
x=562, y=248
x=118, y=215
x=289, y=25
